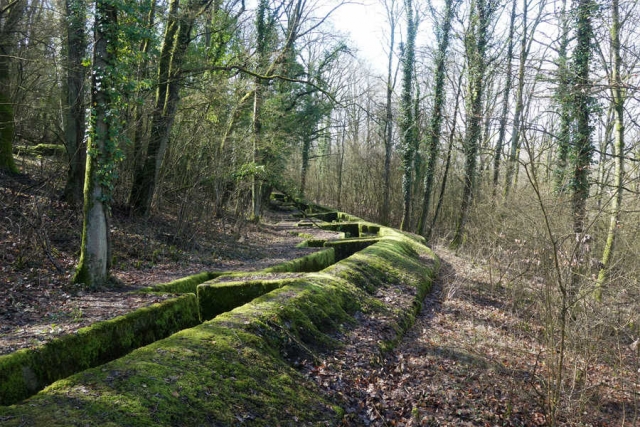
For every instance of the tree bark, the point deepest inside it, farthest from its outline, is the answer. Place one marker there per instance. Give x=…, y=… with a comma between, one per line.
x=11, y=13
x=75, y=17
x=618, y=149
x=407, y=124
x=477, y=40
x=93, y=267
x=435, y=124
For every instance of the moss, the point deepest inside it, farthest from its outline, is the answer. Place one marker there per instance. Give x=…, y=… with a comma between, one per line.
x=216, y=298
x=58, y=150
x=184, y=285
x=347, y=247
x=230, y=370
x=236, y=368
x=311, y=243
x=351, y=229
x=309, y=263
x=25, y=372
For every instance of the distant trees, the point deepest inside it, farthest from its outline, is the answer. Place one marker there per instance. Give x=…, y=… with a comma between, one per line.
x=220, y=102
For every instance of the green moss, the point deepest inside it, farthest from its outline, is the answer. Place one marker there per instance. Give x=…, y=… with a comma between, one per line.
x=25, y=372
x=347, y=247
x=236, y=368
x=309, y=263
x=184, y=285
x=45, y=150
x=216, y=298
x=351, y=229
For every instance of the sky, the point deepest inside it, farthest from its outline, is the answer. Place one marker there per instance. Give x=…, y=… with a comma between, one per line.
x=366, y=25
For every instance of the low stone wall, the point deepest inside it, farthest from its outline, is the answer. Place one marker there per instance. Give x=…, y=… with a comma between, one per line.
x=27, y=371
x=238, y=367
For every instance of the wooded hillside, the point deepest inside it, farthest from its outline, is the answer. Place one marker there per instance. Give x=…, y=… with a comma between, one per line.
x=504, y=128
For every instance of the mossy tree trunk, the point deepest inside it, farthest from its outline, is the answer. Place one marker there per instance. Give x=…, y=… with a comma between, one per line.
x=93, y=267
x=11, y=13
x=435, y=124
x=563, y=99
x=447, y=165
x=582, y=104
x=407, y=121
x=618, y=97
x=177, y=38
x=476, y=41
x=74, y=124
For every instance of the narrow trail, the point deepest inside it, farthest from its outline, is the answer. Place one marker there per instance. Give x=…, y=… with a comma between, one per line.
x=459, y=365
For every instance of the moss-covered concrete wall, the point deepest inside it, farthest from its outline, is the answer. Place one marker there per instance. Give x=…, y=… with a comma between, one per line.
x=237, y=368
x=24, y=372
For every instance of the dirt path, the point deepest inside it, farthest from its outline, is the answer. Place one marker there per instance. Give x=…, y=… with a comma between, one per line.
x=39, y=304
x=467, y=361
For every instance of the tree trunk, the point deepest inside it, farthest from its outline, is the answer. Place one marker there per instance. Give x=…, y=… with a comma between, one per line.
x=407, y=124
x=11, y=13
x=74, y=123
x=618, y=149
x=435, y=124
x=517, y=117
x=505, y=102
x=581, y=141
x=477, y=41
x=138, y=110
x=93, y=267
x=176, y=41
x=388, y=137
x=563, y=99
x=447, y=165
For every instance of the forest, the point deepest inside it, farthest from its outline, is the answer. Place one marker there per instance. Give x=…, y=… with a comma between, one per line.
x=504, y=130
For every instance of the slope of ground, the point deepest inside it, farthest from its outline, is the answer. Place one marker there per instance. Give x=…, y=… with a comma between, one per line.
x=468, y=361
x=40, y=239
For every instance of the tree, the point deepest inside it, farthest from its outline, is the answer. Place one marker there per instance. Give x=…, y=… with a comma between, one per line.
x=525, y=47
x=11, y=12
x=391, y=10
x=564, y=101
x=407, y=119
x=618, y=97
x=476, y=41
x=505, y=99
x=435, y=124
x=264, y=26
x=582, y=104
x=93, y=267
x=176, y=41
x=74, y=123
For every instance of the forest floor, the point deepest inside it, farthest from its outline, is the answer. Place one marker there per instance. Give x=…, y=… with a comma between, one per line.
x=471, y=359
x=39, y=248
